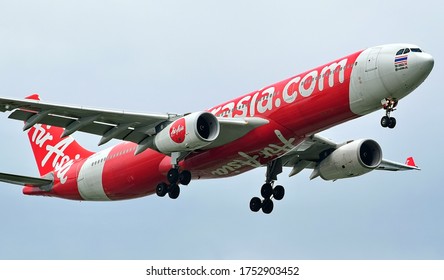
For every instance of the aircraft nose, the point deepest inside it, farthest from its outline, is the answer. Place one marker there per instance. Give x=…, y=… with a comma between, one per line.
x=425, y=63
x=421, y=66
x=404, y=69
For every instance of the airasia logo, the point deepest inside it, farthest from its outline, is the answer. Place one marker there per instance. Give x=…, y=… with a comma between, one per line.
x=286, y=92
x=177, y=131
x=61, y=162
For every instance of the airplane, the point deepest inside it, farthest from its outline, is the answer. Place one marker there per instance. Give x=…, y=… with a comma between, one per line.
x=274, y=127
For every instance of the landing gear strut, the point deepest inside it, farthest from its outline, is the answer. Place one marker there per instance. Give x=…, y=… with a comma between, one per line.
x=174, y=178
x=268, y=192
x=389, y=106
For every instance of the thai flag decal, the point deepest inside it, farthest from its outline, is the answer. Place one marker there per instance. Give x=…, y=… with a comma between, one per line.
x=401, y=62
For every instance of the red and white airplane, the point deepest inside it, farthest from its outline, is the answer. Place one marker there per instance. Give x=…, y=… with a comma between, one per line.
x=275, y=126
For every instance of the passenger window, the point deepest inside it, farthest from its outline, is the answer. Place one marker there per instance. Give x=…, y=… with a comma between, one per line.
x=406, y=51
x=400, y=52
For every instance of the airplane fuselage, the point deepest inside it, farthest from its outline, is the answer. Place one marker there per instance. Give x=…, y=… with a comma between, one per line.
x=295, y=108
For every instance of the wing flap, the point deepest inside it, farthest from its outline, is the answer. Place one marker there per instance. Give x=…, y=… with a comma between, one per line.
x=309, y=150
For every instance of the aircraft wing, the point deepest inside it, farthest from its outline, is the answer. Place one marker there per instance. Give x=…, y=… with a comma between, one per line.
x=109, y=124
x=396, y=166
x=24, y=180
x=234, y=128
x=310, y=152
x=122, y=125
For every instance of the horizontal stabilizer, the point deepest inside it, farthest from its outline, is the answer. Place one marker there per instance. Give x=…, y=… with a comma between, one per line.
x=24, y=180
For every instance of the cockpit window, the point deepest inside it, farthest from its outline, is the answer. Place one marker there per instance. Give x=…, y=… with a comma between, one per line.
x=406, y=50
x=415, y=50
x=400, y=52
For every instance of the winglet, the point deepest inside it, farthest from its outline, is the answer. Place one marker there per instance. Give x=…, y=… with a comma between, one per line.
x=34, y=96
x=410, y=162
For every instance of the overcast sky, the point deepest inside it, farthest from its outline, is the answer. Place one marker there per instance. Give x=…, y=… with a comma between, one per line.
x=185, y=56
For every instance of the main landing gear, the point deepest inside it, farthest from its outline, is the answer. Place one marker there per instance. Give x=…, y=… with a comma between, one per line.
x=174, y=178
x=268, y=192
x=389, y=106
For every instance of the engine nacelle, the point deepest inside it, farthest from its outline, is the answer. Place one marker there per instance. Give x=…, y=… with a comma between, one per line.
x=191, y=132
x=350, y=160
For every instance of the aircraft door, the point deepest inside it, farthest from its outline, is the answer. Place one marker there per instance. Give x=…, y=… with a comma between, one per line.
x=372, y=60
x=371, y=64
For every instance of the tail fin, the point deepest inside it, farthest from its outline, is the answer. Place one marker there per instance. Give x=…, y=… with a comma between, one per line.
x=51, y=151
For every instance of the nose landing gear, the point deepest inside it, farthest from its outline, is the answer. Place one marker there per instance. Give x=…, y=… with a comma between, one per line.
x=389, y=106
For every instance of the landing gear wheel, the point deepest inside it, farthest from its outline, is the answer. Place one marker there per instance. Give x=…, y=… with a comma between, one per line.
x=389, y=106
x=173, y=176
x=185, y=177
x=392, y=122
x=174, y=191
x=266, y=190
x=385, y=121
x=278, y=192
x=255, y=204
x=161, y=189
x=267, y=206
x=274, y=168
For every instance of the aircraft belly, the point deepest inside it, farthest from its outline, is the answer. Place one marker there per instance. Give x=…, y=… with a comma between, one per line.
x=251, y=151
x=127, y=176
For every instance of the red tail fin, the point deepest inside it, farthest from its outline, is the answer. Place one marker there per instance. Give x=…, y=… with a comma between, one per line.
x=51, y=151
x=410, y=162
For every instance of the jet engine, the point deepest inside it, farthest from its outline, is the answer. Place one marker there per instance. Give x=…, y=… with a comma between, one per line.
x=352, y=159
x=191, y=132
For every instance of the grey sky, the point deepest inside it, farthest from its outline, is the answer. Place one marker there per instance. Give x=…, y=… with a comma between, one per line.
x=184, y=56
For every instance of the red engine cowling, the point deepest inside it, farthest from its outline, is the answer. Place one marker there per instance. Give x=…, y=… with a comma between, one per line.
x=191, y=132
x=350, y=160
